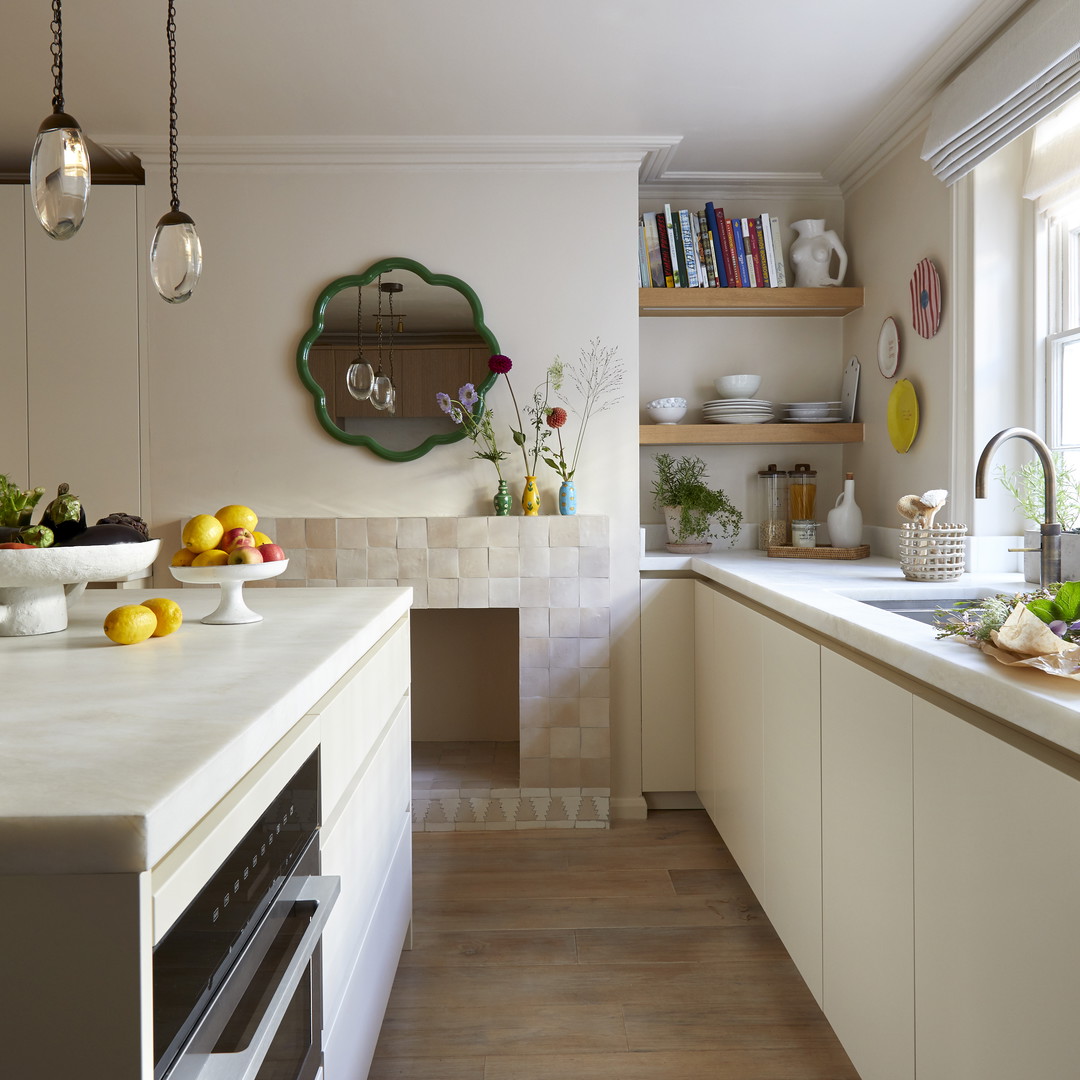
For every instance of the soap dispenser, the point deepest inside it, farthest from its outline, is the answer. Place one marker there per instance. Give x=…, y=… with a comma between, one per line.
x=845, y=518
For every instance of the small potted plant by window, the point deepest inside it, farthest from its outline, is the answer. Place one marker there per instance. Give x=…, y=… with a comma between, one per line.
x=694, y=513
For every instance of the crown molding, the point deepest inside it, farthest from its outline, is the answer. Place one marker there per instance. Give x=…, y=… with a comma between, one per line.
x=421, y=152
x=730, y=185
x=908, y=110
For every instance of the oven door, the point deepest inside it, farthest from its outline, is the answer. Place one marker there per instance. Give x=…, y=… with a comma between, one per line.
x=265, y=1022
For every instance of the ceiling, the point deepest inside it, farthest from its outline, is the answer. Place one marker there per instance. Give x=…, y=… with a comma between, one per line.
x=777, y=86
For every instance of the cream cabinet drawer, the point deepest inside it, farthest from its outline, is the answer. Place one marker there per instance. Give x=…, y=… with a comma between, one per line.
x=353, y=714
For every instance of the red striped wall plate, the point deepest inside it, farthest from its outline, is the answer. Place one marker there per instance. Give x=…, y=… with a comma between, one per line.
x=925, y=290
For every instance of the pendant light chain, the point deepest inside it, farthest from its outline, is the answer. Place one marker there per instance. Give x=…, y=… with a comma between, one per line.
x=170, y=33
x=58, y=57
x=359, y=324
x=391, y=298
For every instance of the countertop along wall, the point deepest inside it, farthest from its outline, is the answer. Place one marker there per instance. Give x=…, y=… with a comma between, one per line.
x=549, y=250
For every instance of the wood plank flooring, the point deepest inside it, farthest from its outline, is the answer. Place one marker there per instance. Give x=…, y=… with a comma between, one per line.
x=632, y=953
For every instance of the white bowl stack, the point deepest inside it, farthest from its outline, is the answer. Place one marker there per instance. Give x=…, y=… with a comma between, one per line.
x=813, y=412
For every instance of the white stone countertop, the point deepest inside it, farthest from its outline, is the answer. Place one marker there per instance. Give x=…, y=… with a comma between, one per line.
x=109, y=754
x=824, y=596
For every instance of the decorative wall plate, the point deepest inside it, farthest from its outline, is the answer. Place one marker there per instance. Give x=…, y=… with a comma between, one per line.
x=902, y=416
x=888, y=348
x=925, y=288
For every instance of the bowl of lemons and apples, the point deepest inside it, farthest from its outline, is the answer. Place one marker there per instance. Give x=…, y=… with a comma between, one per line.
x=226, y=549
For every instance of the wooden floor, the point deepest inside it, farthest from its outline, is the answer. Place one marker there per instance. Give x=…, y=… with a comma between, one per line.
x=633, y=953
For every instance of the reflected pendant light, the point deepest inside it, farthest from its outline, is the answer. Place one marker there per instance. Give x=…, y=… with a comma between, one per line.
x=359, y=376
x=175, y=253
x=60, y=164
x=383, y=391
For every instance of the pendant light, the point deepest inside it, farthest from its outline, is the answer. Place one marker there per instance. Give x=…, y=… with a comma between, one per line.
x=176, y=253
x=359, y=376
x=60, y=164
x=383, y=391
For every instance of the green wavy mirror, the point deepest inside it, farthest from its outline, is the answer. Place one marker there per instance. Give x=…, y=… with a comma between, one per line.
x=423, y=332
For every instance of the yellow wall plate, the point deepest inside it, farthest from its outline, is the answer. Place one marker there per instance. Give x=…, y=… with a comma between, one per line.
x=903, y=416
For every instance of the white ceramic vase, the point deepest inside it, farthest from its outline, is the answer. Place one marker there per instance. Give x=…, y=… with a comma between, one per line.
x=812, y=253
x=845, y=518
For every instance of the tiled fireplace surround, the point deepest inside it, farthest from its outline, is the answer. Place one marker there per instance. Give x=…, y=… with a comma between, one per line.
x=555, y=572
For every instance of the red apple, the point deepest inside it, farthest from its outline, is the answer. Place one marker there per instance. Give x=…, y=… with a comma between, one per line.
x=245, y=554
x=271, y=552
x=235, y=538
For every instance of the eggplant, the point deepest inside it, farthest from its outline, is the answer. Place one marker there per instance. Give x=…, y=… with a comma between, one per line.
x=95, y=535
x=65, y=515
x=10, y=534
x=37, y=536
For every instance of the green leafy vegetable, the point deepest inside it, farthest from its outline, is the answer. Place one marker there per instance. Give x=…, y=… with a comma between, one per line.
x=17, y=505
x=1064, y=606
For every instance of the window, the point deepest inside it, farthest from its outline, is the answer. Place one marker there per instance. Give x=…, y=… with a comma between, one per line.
x=1063, y=338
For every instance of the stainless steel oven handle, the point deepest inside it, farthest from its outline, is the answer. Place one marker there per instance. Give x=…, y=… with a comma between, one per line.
x=245, y=1064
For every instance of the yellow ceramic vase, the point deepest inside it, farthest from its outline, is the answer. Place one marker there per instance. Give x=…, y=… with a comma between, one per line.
x=530, y=497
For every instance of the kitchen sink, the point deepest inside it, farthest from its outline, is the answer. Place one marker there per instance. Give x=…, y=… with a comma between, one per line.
x=921, y=609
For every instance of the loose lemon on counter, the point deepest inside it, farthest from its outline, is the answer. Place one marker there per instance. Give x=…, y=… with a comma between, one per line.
x=168, y=614
x=213, y=557
x=261, y=538
x=130, y=624
x=202, y=533
x=237, y=517
x=183, y=557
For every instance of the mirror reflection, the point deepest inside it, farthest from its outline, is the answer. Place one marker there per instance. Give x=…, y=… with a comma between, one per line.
x=382, y=344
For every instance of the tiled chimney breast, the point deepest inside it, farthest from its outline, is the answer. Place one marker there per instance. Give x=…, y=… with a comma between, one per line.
x=555, y=572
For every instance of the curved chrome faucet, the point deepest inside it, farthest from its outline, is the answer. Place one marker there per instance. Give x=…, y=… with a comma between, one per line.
x=1050, y=530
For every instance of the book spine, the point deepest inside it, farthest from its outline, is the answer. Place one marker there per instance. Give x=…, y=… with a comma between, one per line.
x=642, y=255
x=676, y=254
x=652, y=246
x=705, y=245
x=689, y=247
x=718, y=244
x=665, y=251
x=761, y=257
x=740, y=253
x=737, y=270
x=778, y=251
x=752, y=263
x=767, y=248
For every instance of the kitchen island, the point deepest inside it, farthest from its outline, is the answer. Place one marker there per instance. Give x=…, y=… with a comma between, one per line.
x=127, y=773
x=906, y=809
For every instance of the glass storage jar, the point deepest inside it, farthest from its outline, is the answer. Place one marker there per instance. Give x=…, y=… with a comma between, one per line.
x=773, y=530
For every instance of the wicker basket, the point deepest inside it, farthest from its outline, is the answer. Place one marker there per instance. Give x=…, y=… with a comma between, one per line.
x=934, y=554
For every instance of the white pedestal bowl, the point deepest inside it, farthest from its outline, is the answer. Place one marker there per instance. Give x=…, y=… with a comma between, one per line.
x=37, y=584
x=232, y=608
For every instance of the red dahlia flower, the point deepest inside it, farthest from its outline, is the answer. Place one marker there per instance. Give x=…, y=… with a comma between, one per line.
x=556, y=417
x=500, y=364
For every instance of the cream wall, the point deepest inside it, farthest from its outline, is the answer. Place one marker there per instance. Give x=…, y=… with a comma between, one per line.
x=550, y=252
x=899, y=216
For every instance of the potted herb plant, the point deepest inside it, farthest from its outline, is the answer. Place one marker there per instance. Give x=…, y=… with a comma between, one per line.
x=695, y=514
x=1026, y=487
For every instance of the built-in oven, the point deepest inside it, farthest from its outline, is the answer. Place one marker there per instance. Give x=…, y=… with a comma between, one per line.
x=236, y=978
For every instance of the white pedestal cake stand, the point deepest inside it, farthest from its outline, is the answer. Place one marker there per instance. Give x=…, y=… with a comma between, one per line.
x=230, y=579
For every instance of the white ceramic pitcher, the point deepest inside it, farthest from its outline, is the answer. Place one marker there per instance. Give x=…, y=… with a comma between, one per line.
x=812, y=251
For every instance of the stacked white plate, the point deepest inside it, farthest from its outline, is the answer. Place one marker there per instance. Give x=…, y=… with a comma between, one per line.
x=813, y=412
x=738, y=411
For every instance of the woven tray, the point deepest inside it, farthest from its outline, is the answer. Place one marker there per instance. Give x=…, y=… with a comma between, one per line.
x=860, y=552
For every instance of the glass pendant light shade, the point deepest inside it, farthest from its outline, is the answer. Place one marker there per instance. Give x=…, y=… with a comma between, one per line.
x=382, y=392
x=175, y=257
x=60, y=176
x=359, y=379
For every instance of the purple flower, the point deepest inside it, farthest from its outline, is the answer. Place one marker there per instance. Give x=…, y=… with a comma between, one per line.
x=500, y=364
x=1059, y=626
x=444, y=402
x=468, y=396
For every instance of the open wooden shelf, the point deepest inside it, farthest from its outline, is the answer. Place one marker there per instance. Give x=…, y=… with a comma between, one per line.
x=825, y=301
x=759, y=434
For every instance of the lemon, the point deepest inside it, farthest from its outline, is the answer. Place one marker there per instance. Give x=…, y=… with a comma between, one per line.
x=261, y=538
x=237, y=517
x=130, y=624
x=213, y=557
x=168, y=614
x=202, y=533
x=183, y=557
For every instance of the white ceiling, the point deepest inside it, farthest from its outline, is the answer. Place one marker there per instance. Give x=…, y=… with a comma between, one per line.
x=777, y=86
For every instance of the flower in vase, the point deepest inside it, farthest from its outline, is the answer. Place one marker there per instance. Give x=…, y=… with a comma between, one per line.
x=468, y=410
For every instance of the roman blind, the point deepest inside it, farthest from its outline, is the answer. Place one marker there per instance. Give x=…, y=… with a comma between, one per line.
x=1053, y=175
x=1028, y=72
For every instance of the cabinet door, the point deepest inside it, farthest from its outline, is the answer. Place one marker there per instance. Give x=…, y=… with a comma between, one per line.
x=706, y=699
x=997, y=891
x=792, y=795
x=737, y=658
x=14, y=459
x=667, y=684
x=866, y=841
x=83, y=385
